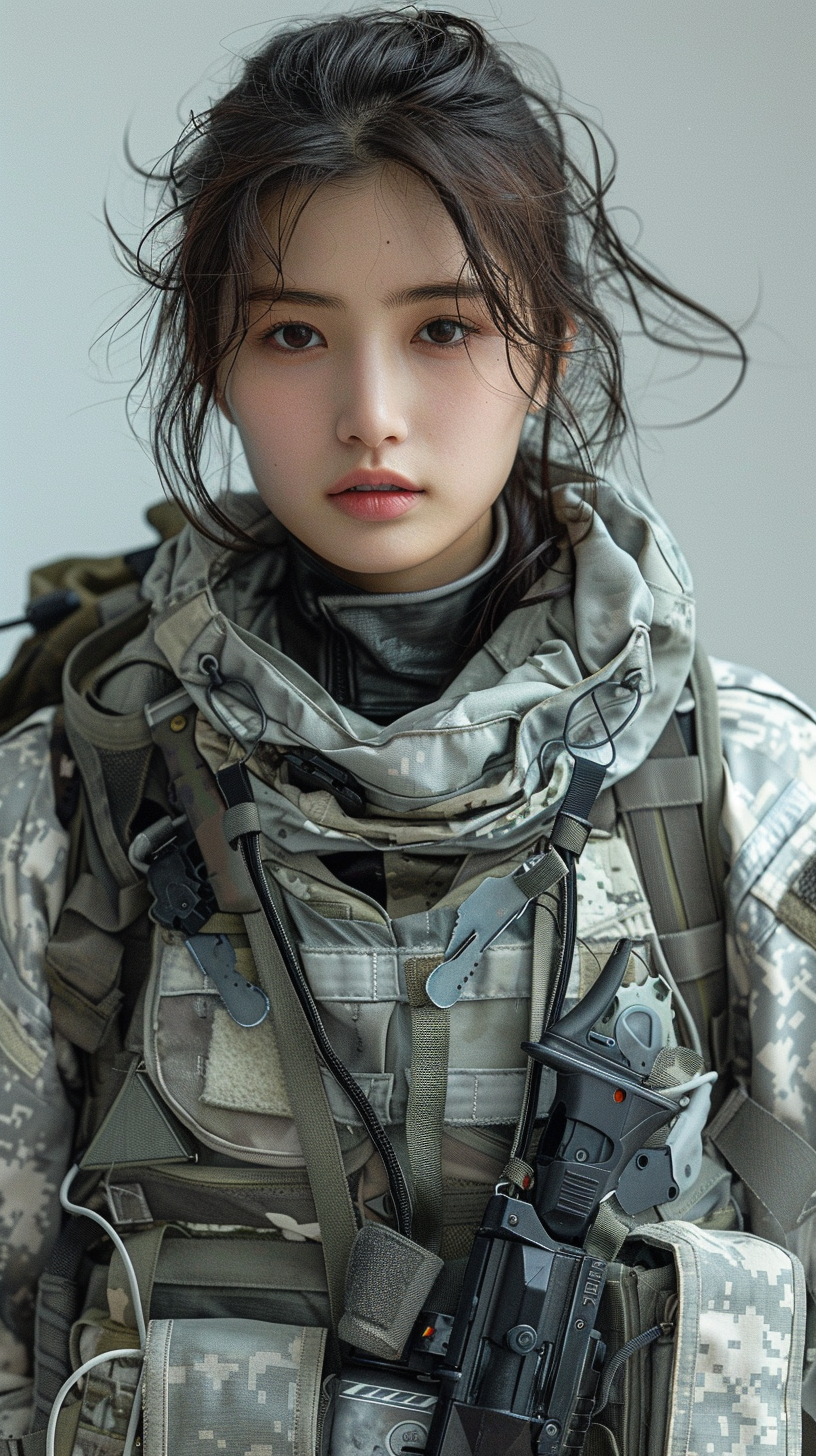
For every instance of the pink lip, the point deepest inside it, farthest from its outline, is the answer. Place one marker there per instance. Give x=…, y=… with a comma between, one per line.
x=356, y=494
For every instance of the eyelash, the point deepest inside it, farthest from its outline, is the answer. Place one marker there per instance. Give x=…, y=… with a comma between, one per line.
x=466, y=329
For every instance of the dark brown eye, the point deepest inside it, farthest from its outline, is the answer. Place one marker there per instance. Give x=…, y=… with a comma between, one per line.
x=444, y=331
x=294, y=336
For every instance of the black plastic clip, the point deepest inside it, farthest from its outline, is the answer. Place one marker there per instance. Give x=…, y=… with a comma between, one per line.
x=312, y=772
x=183, y=896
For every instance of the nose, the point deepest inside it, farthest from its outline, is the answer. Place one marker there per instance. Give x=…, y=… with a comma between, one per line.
x=373, y=404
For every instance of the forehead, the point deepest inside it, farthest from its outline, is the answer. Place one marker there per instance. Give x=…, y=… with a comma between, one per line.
x=368, y=235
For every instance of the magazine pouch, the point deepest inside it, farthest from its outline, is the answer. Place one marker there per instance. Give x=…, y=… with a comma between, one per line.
x=232, y=1386
x=726, y=1372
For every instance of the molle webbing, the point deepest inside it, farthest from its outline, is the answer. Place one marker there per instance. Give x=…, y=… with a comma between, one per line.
x=665, y=810
x=59, y=1301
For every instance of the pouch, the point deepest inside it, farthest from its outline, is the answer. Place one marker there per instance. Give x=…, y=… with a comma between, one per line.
x=232, y=1386
x=240, y=1288
x=728, y=1375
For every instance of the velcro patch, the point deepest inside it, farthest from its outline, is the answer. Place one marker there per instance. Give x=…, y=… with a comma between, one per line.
x=797, y=908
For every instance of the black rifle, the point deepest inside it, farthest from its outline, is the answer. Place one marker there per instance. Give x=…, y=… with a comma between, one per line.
x=524, y=1357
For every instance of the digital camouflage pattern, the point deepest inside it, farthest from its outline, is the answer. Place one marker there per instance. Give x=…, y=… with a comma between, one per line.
x=769, y=740
x=736, y=1382
x=35, y=1119
x=770, y=832
x=107, y=1402
x=235, y=1386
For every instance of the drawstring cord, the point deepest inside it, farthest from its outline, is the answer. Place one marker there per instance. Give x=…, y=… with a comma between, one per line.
x=613, y=1365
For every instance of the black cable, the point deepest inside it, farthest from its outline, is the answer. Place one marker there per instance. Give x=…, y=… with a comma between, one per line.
x=568, y=939
x=250, y=845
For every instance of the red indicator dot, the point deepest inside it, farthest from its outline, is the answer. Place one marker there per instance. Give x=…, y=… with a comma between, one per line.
x=426, y=1334
x=619, y=1094
x=525, y=1185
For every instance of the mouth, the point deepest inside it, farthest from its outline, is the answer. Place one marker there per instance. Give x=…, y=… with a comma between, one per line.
x=374, y=495
x=364, y=489
x=362, y=482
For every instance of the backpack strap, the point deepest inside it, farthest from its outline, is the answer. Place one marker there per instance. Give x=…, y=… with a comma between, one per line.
x=670, y=808
x=425, y=1113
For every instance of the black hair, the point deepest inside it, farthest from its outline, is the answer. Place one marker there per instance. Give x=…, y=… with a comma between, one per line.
x=429, y=91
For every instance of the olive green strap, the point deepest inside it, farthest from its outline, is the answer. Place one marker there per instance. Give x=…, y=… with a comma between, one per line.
x=34, y=1445
x=311, y=1111
x=425, y=1115
x=608, y=1232
x=712, y=771
x=144, y=1249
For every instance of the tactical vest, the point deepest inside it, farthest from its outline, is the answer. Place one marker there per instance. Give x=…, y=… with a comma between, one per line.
x=191, y=1124
x=223, y=1153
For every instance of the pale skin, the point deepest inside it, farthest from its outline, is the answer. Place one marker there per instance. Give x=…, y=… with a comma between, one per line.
x=370, y=364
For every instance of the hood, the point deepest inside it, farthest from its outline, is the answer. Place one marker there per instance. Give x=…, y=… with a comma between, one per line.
x=483, y=767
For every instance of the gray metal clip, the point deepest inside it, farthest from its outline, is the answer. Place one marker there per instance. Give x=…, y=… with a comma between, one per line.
x=490, y=909
x=248, y=1005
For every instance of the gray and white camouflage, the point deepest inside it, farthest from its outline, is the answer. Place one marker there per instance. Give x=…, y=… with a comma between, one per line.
x=769, y=832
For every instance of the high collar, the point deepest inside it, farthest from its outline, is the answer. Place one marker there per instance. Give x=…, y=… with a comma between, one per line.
x=482, y=766
x=381, y=653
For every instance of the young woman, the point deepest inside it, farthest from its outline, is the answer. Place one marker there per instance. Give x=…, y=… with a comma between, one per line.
x=378, y=267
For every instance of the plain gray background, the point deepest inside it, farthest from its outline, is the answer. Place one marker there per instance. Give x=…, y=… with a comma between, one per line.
x=710, y=105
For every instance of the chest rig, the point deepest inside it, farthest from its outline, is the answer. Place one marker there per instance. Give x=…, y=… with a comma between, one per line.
x=187, y=1114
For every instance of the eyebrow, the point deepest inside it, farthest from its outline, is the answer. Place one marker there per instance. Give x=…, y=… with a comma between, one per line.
x=424, y=294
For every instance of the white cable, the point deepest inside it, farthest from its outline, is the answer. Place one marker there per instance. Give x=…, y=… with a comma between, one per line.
x=51, y=1433
x=97, y=1218
x=136, y=1301
x=685, y=1087
x=133, y=1423
x=666, y=973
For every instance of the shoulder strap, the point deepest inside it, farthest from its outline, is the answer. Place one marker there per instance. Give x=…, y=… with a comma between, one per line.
x=670, y=808
x=712, y=769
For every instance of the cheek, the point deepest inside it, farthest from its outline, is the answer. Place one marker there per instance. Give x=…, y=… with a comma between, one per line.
x=276, y=419
x=478, y=417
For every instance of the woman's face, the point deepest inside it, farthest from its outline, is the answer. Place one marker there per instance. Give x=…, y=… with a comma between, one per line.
x=378, y=423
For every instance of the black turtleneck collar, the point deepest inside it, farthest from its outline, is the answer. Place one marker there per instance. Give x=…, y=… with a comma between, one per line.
x=380, y=654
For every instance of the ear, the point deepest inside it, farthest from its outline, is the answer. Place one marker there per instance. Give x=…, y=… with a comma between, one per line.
x=570, y=335
x=558, y=370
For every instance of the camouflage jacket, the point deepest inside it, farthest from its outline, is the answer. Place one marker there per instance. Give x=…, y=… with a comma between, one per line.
x=769, y=836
